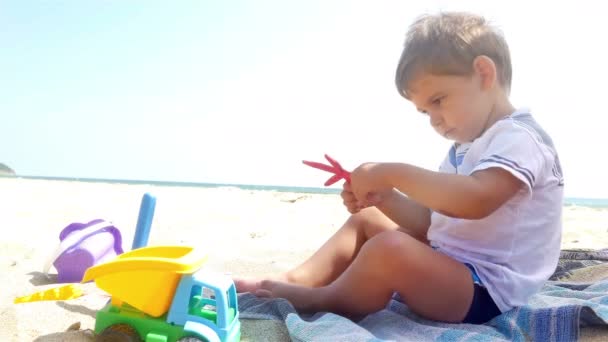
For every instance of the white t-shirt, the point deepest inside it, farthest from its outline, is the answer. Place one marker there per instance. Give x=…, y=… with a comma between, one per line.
x=516, y=248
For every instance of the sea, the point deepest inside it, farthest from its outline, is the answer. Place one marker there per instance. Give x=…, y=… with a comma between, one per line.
x=568, y=201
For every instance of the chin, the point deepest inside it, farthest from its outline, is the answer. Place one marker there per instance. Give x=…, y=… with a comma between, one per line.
x=459, y=140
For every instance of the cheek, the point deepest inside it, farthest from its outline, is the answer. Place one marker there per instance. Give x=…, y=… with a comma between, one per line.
x=462, y=119
x=458, y=112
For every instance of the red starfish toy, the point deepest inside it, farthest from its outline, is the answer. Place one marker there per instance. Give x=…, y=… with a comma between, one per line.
x=335, y=168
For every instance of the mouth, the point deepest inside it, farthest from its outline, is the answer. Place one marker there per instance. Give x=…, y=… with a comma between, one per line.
x=447, y=133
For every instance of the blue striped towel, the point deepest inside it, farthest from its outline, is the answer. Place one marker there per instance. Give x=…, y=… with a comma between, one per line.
x=556, y=313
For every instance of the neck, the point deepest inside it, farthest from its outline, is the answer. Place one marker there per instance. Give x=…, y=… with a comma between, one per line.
x=501, y=108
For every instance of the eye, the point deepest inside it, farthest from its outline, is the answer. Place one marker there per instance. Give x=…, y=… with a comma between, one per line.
x=437, y=101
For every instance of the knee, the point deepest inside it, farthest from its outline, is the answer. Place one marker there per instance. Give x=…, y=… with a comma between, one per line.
x=390, y=244
x=371, y=222
x=389, y=254
x=360, y=219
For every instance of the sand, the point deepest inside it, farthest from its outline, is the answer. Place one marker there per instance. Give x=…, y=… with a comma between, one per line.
x=245, y=233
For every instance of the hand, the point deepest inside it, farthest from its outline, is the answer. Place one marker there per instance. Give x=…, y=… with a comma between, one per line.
x=368, y=185
x=349, y=200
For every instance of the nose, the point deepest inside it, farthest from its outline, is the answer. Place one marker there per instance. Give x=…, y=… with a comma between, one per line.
x=435, y=119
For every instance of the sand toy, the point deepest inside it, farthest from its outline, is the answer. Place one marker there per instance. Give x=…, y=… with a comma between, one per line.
x=65, y=292
x=161, y=293
x=81, y=246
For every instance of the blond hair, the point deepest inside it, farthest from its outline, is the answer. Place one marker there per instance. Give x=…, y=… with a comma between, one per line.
x=447, y=44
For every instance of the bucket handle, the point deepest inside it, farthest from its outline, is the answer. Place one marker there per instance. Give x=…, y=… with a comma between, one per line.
x=71, y=240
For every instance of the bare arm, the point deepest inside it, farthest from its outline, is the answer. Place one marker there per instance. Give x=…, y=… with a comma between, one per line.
x=408, y=214
x=469, y=197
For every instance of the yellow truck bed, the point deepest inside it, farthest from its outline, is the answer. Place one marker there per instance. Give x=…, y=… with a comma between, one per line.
x=146, y=278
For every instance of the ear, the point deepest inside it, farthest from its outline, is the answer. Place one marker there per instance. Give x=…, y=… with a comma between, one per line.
x=485, y=68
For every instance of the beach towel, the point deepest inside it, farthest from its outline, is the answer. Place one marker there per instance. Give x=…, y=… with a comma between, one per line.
x=556, y=313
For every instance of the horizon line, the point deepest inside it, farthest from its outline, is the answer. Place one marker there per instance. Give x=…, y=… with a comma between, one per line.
x=286, y=188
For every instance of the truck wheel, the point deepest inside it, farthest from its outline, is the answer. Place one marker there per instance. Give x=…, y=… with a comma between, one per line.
x=190, y=339
x=118, y=333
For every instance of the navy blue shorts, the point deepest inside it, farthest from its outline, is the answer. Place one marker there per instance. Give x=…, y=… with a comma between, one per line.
x=483, y=307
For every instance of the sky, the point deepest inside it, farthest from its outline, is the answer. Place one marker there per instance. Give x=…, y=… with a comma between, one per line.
x=241, y=92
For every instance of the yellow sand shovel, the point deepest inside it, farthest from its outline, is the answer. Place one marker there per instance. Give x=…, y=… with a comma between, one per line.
x=65, y=292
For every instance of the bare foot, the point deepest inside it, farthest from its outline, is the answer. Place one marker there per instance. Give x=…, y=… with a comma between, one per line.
x=246, y=285
x=304, y=299
x=253, y=285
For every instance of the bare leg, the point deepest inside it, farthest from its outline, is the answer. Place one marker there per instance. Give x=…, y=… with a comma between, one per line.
x=432, y=284
x=326, y=264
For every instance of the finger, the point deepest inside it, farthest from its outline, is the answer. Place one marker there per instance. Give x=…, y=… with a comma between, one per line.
x=372, y=198
x=362, y=205
x=263, y=293
x=349, y=199
x=353, y=209
x=348, y=196
x=346, y=186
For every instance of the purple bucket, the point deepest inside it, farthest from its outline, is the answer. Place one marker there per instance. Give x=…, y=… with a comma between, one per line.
x=83, y=245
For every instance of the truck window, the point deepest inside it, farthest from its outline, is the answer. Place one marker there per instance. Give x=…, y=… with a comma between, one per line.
x=202, y=303
x=231, y=304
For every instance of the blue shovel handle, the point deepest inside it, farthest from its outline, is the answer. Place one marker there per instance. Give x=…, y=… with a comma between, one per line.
x=144, y=221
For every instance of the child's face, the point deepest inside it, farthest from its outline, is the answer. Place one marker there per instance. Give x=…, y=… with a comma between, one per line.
x=458, y=106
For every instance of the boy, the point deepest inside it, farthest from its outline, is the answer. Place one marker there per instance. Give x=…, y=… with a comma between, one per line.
x=466, y=243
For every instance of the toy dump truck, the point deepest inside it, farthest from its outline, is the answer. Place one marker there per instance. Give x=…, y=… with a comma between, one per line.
x=161, y=294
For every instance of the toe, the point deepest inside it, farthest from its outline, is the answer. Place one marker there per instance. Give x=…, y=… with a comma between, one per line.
x=246, y=285
x=263, y=293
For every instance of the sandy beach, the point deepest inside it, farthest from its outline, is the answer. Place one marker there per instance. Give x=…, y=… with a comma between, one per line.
x=245, y=233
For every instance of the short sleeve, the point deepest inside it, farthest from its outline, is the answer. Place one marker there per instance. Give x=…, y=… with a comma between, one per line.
x=447, y=165
x=516, y=150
